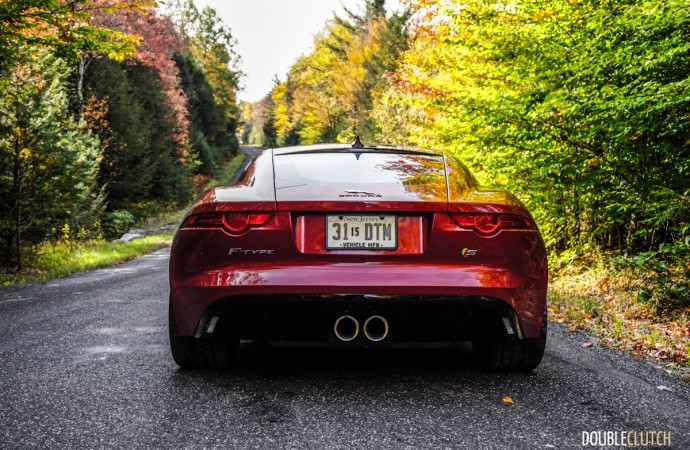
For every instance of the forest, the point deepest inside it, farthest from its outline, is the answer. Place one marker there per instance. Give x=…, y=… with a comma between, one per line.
x=110, y=111
x=582, y=108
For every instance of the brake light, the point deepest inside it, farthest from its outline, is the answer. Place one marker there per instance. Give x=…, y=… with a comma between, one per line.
x=204, y=220
x=232, y=222
x=236, y=222
x=490, y=224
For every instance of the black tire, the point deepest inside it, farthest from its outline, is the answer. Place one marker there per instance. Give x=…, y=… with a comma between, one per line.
x=511, y=355
x=192, y=353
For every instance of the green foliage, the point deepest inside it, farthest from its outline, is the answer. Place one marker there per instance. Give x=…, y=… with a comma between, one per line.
x=257, y=120
x=65, y=234
x=225, y=175
x=209, y=139
x=212, y=49
x=266, y=136
x=161, y=217
x=665, y=275
x=122, y=133
x=580, y=108
x=58, y=259
x=48, y=160
x=203, y=149
x=116, y=223
x=141, y=160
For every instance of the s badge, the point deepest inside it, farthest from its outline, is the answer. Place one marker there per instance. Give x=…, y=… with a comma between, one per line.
x=467, y=252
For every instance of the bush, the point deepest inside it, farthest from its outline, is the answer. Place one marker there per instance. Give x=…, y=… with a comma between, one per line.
x=204, y=152
x=116, y=223
x=665, y=276
x=146, y=208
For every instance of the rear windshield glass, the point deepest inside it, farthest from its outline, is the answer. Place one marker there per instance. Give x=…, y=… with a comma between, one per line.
x=357, y=169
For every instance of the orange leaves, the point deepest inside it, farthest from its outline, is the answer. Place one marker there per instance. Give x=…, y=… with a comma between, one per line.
x=620, y=320
x=69, y=27
x=417, y=88
x=427, y=17
x=115, y=6
x=156, y=41
x=680, y=355
x=95, y=115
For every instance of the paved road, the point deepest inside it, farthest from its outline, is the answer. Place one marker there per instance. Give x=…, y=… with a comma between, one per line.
x=84, y=363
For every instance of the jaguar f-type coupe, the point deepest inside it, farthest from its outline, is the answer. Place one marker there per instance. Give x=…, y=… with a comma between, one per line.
x=358, y=245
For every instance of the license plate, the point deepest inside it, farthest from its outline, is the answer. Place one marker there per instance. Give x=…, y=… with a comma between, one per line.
x=361, y=232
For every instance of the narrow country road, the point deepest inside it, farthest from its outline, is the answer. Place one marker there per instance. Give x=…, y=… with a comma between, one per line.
x=85, y=363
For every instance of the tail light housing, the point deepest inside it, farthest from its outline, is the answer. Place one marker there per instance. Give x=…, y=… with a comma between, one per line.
x=236, y=222
x=486, y=224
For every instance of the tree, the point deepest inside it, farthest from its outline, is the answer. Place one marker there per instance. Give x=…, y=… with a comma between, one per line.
x=159, y=43
x=141, y=161
x=204, y=114
x=64, y=26
x=48, y=160
x=328, y=94
x=212, y=46
x=564, y=102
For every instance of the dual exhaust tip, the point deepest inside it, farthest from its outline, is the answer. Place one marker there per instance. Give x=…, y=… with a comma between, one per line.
x=375, y=328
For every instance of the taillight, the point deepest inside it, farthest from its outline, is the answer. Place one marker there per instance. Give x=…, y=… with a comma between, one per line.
x=232, y=222
x=490, y=224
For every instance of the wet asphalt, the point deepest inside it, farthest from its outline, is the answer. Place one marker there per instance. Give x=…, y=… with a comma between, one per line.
x=85, y=363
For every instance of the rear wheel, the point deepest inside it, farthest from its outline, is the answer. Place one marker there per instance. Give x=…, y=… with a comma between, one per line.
x=506, y=355
x=193, y=353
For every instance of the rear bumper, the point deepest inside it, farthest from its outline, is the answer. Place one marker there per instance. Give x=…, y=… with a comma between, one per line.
x=249, y=297
x=312, y=318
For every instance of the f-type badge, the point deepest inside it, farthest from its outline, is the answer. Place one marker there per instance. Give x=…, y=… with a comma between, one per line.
x=467, y=252
x=243, y=251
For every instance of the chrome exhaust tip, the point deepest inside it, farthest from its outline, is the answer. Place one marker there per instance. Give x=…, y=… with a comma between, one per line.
x=376, y=328
x=346, y=328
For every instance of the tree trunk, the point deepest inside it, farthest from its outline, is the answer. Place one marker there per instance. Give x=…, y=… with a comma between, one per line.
x=84, y=62
x=17, y=188
x=578, y=219
x=630, y=234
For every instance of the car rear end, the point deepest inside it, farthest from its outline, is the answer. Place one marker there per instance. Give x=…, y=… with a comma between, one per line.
x=371, y=246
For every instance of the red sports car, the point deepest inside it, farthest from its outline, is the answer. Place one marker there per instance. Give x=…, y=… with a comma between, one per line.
x=358, y=246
